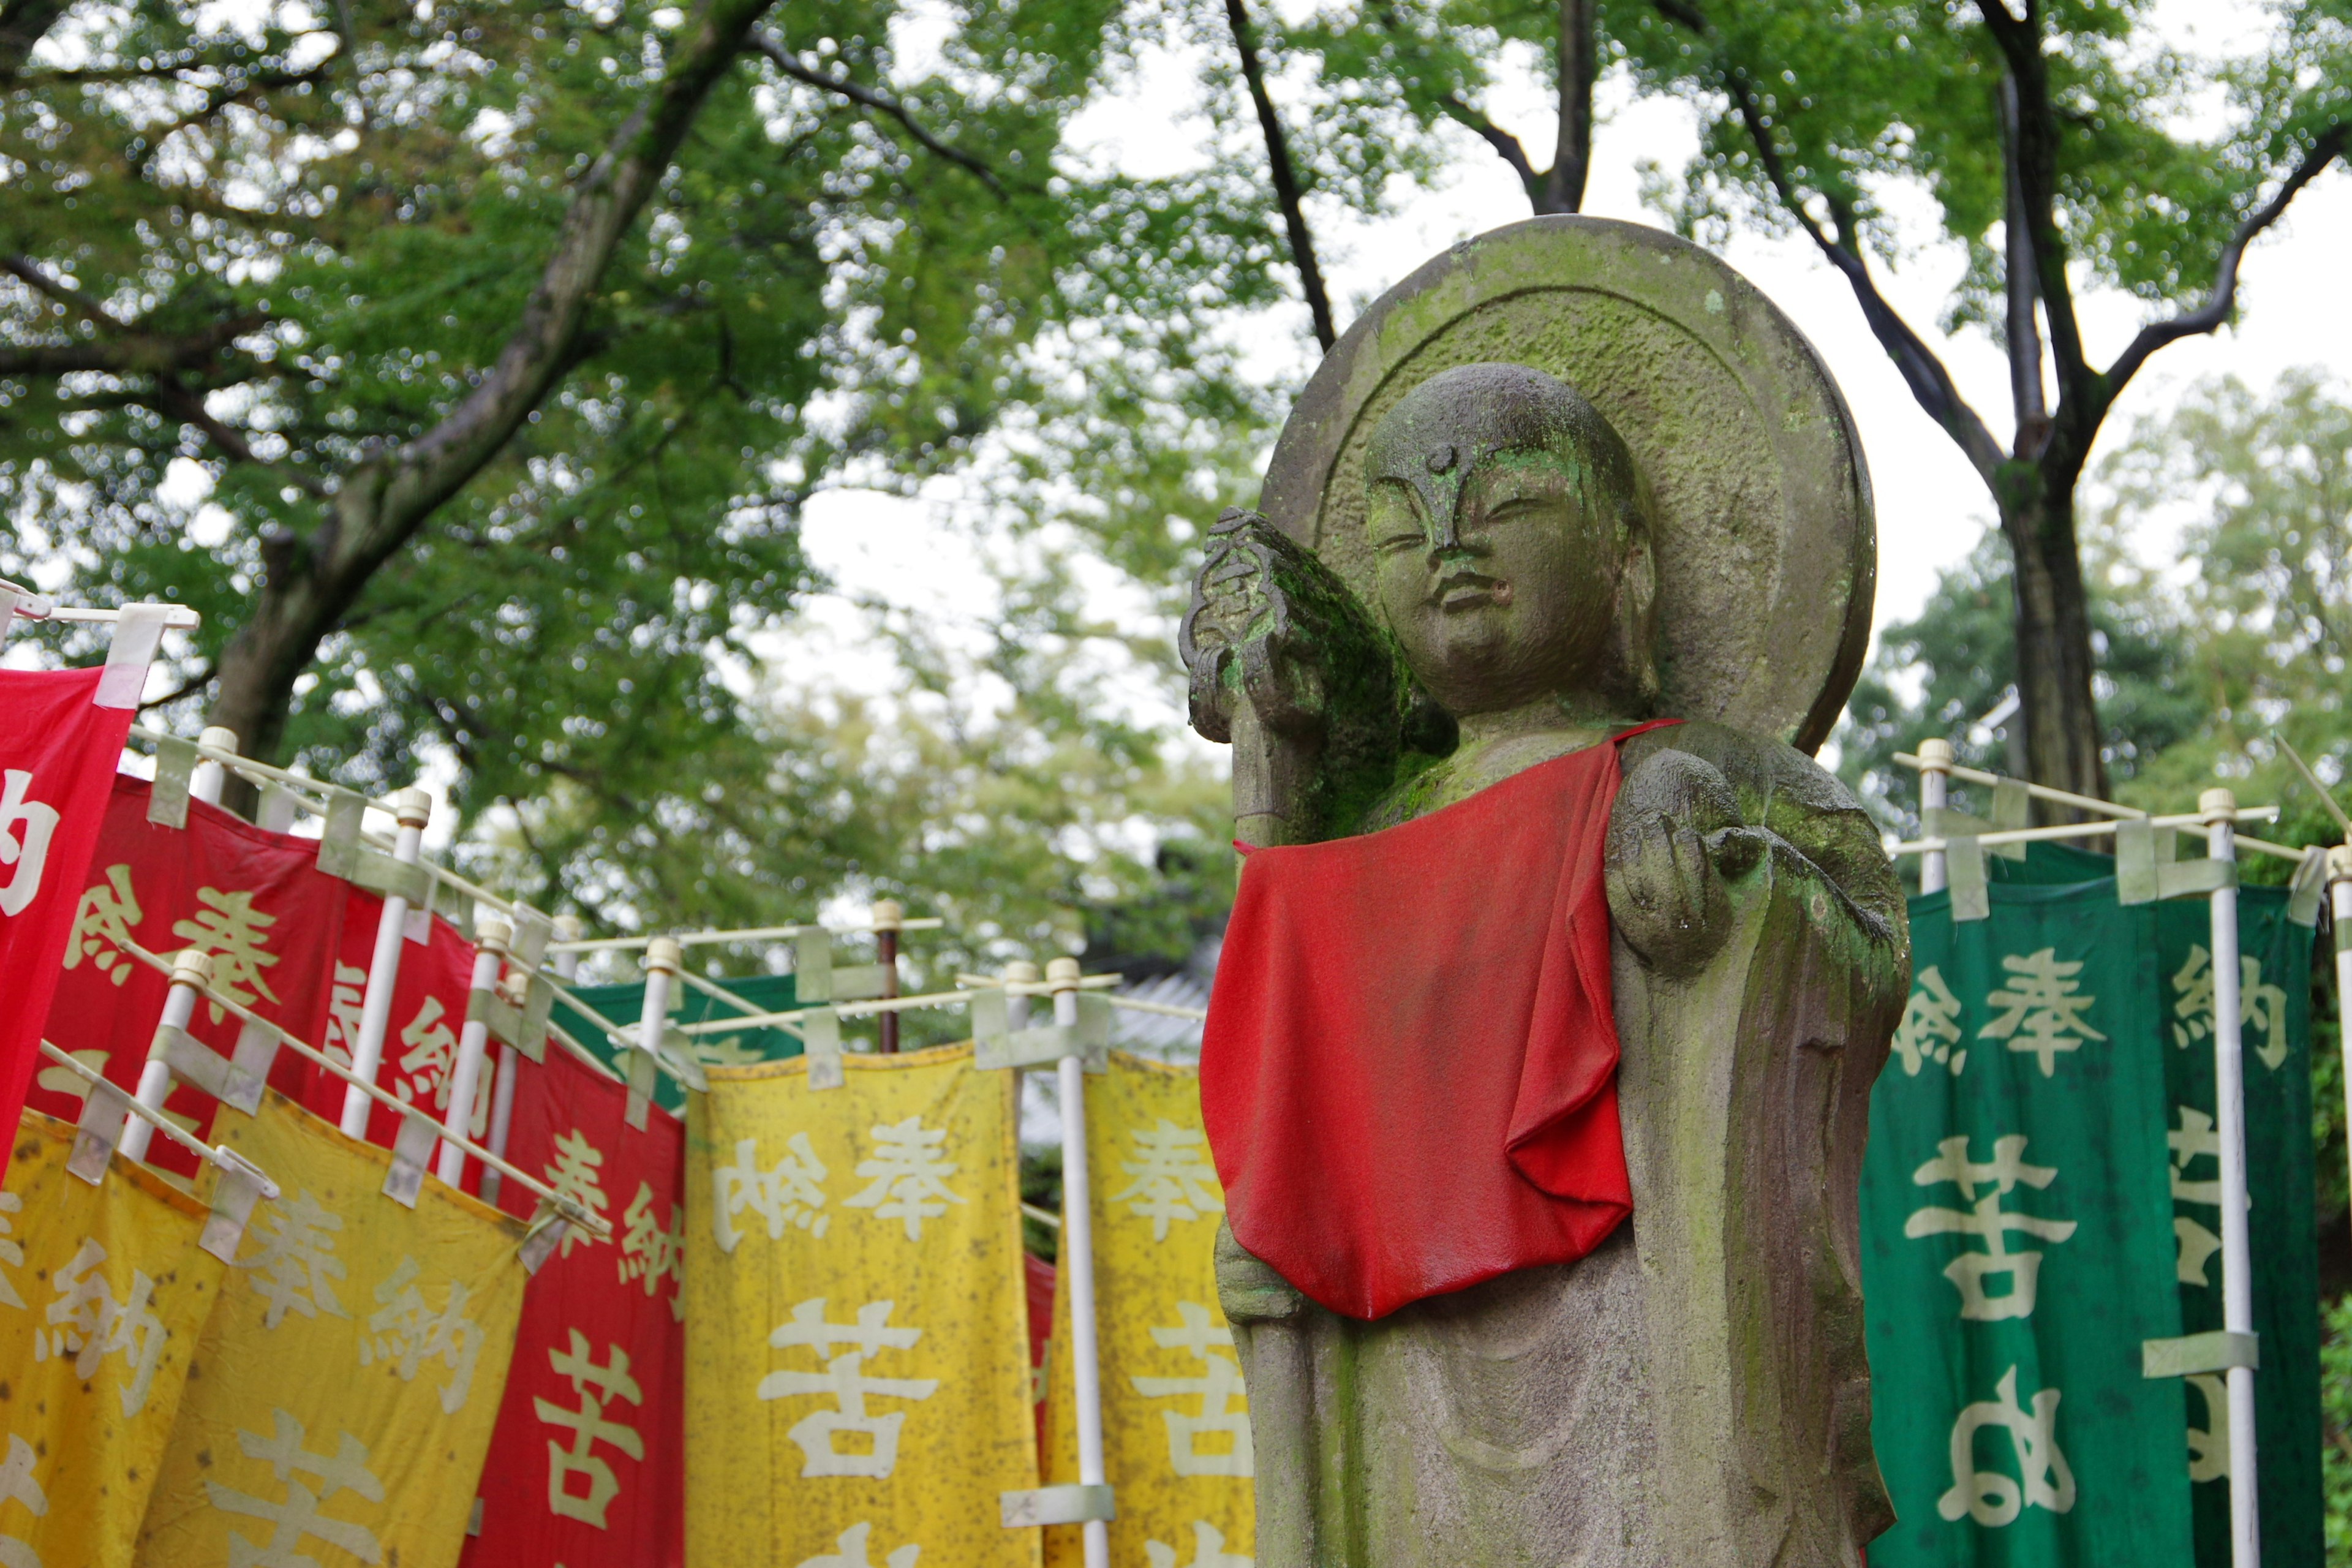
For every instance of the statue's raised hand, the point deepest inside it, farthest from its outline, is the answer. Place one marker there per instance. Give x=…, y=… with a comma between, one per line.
x=1242, y=640
x=1286, y=666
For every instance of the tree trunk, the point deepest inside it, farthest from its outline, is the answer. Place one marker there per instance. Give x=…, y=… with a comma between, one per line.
x=379, y=506
x=1285, y=175
x=2060, y=713
x=1580, y=65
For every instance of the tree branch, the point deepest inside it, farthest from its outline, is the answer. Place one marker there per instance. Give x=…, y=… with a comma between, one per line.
x=1506, y=146
x=1285, y=176
x=1580, y=65
x=173, y=397
x=1930, y=383
x=2210, y=316
x=384, y=499
x=2019, y=40
x=781, y=58
x=188, y=688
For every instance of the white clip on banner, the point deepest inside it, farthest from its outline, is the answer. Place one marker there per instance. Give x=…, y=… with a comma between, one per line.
x=138, y=632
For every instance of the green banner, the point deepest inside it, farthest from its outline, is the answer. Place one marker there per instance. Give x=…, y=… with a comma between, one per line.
x=2274, y=1011
x=2148, y=1463
x=2018, y=1246
x=625, y=1005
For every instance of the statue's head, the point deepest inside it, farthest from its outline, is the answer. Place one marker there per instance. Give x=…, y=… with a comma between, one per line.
x=1511, y=545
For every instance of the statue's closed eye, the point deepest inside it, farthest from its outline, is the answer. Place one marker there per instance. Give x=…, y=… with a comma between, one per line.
x=1395, y=521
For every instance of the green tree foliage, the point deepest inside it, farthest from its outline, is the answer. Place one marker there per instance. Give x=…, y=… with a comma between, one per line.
x=262, y=268
x=2049, y=134
x=2206, y=665
x=1959, y=655
x=2207, y=662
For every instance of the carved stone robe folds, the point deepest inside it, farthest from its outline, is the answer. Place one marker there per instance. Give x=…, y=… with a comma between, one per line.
x=1693, y=1391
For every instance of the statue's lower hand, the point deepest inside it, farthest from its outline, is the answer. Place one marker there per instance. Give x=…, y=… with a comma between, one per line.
x=1673, y=839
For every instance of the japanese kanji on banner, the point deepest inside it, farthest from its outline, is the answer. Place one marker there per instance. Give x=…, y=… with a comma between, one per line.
x=2274, y=1027
x=345, y=1387
x=2013, y=1421
x=58, y=745
x=2017, y=1242
x=589, y=1462
x=857, y=1373
x=255, y=899
x=428, y=1013
x=1176, y=1432
x=102, y=1291
x=2274, y=1024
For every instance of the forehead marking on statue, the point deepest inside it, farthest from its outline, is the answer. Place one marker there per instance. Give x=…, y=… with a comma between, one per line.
x=1477, y=416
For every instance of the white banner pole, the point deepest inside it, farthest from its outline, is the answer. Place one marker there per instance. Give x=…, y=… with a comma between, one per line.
x=1935, y=794
x=1078, y=1255
x=209, y=778
x=2220, y=808
x=2340, y=903
x=191, y=971
x=473, y=1041
x=414, y=808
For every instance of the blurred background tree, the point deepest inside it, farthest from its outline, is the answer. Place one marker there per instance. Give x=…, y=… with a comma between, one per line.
x=470, y=367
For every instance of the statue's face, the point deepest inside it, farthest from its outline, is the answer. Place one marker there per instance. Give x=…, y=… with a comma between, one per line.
x=1493, y=571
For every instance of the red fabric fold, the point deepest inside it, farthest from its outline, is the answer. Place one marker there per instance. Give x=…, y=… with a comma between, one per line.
x=1409, y=1074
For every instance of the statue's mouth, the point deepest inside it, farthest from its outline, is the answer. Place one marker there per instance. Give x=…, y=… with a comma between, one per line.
x=1468, y=590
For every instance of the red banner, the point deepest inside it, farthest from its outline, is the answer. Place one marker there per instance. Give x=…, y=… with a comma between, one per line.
x=256, y=900
x=57, y=749
x=589, y=1462
x=420, y=1043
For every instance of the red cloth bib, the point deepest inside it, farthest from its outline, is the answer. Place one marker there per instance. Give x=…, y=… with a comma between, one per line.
x=1409, y=1074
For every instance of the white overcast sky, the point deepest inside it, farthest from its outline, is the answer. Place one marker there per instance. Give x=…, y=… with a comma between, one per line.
x=1932, y=509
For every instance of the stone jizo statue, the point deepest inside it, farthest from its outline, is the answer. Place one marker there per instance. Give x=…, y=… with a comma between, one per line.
x=1527, y=1288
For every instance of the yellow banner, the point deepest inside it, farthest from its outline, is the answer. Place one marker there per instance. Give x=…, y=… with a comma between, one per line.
x=1176, y=1435
x=857, y=1383
x=345, y=1387
x=102, y=1291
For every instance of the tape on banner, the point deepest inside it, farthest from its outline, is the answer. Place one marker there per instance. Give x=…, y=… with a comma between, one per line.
x=2308, y=887
x=677, y=1055
x=2144, y=873
x=167, y=800
x=1965, y=872
x=2191, y=1354
x=502, y=1018
x=533, y=932
x=99, y=1131
x=190, y=1061
x=411, y=1151
x=238, y=1184
x=540, y=1242
x=812, y=966
x=1057, y=1505
x=640, y=1074
x=821, y=1041
x=138, y=632
x=1045, y=1045
x=537, y=1009
x=248, y=1069
x=279, y=808
x=856, y=983
x=419, y=929
x=2012, y=808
